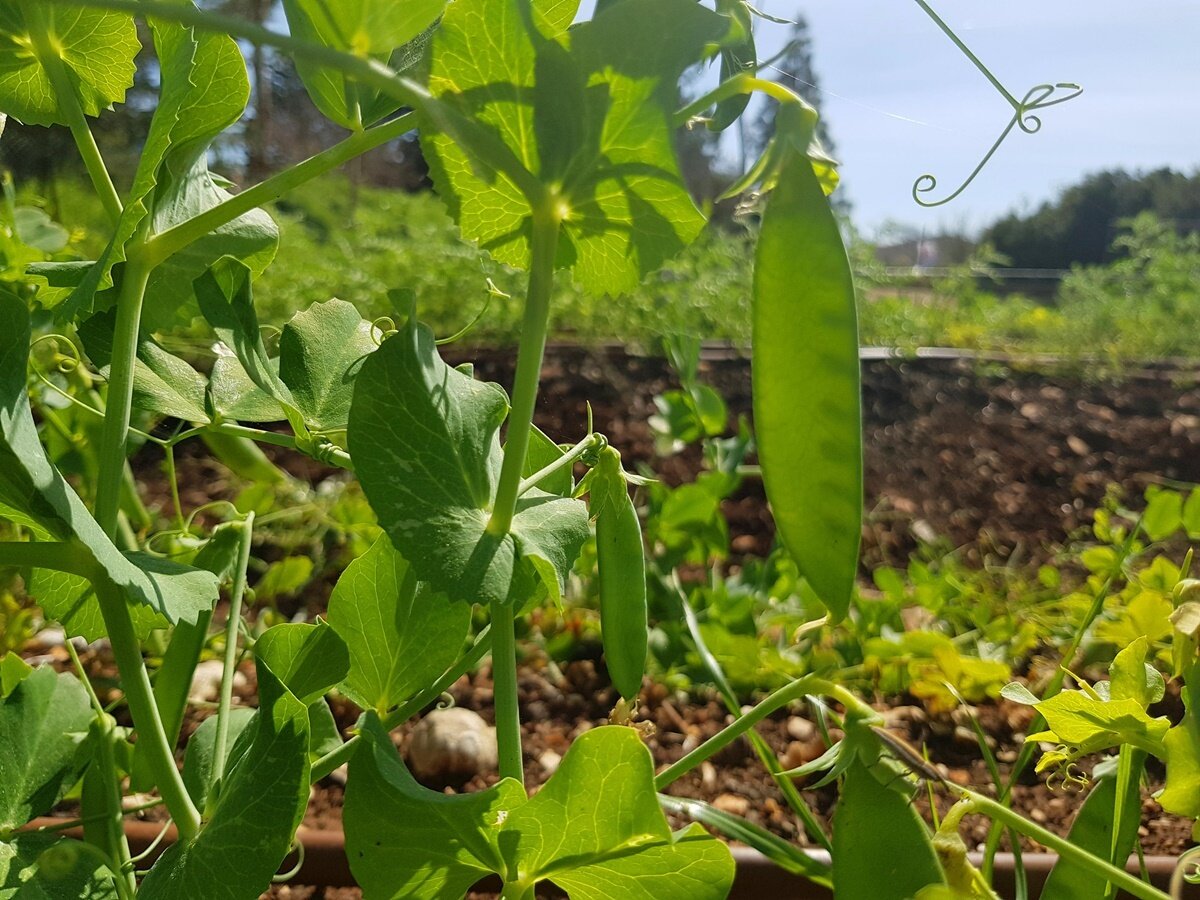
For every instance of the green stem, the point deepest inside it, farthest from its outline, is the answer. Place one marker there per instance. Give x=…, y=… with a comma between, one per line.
x=118, y=407
x=504, y=684
x=236, y=594
x=171, y=241
x=68, y=104
x=1000, y=813
x=140, y=698
x=546, y=222
x=567, y=459
x=797, y=690
x=333, y=455
x=739, y=84
x=402, y=714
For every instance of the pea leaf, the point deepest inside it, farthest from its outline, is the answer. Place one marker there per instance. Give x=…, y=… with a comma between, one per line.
x=95, y=48
x=232, y=394
x=201, y=746
x=204, y=90
x=587, y=112
x=320, y=352
x=807, y=405
x=45, y=867
x=34, y=494
x=383, y=30
x=594, y=829
x=309, y=659
x=870, y=816
x=261, y=802
x=400, y=632
x=162, y=382
x=1181, y=794
x=541, y=453
x=42, y=723
x=1132, y=678
x=1092, y=724
x=425, y=439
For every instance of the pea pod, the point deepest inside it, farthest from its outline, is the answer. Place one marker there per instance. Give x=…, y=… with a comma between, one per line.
x=806, y=380
x=622, y=568
x=881, y=848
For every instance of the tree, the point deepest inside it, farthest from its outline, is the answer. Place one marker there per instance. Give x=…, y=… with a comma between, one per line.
x=1081, y=225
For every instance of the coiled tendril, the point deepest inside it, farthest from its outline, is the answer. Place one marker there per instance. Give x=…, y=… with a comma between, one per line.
x=1039, y=97
x=1187, y=870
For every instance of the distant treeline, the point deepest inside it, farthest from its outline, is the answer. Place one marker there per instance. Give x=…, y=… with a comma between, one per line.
x=1079, y=226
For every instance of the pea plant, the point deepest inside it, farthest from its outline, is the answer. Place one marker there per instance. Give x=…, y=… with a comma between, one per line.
x=551, y=141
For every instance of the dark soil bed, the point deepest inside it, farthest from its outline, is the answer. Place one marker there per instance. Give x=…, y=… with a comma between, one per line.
x=993, y=458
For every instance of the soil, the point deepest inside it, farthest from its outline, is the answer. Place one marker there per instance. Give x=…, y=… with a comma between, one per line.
x=992, y=457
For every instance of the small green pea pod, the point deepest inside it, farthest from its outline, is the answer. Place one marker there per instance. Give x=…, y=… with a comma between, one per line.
x=622, y=567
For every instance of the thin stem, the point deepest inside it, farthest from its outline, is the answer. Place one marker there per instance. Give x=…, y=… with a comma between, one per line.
x=742, y=83
x=546, y=222
x=402, y=714
x=140, y=697
x=966, y=51
x=797, y=690
x=171, y=241
x=118, y=407
x=567, y=459
x=504, y=684
x=68, y=104
x=1000, y=813
x=333, y=455
x=236, y=594
x=173, y=483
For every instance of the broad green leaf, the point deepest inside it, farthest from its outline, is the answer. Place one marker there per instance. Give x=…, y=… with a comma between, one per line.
x=308, y=659
x=46, y=867
x=1086, y=722
x=1163, y=515
x=401, y=633
x=1147, y=615
x=425, y=439
x=541, y=453
x=204, y=89
x=36, y=229
x=13, y=670
x=1132, y=678
x=253, y=821
x=1191, y=514
x=234, y=396
x=95, y=49
x=226, y=301
x=162, y=383
x=198, y=763
x=881, y=847
x=594, y=829
x=1017, y=693
x=283, y=578
x=42, y=723
x=388, y=31
x=807, y=405
x=1092, y=831
x=587, y=112
x=320, y=352
x=1181, y=794
x=34, y=494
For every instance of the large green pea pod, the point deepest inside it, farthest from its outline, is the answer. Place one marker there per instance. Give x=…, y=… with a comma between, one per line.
x=807, y=406
x=622, y=570
x=881, y=848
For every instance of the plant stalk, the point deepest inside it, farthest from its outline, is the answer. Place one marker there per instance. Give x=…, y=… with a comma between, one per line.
x=504, y=685
x=998, y=812
x=140, y=697
x=166, y=244
x=118, y=408
x=236, y=594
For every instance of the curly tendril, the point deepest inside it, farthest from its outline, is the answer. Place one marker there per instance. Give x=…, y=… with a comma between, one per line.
x=297, y=848
x=1039, y=97
x=1187, y=871
x=382, y=329
x=1067, y=777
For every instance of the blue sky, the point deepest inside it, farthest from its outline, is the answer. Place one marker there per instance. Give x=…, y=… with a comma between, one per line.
x=902, y=100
